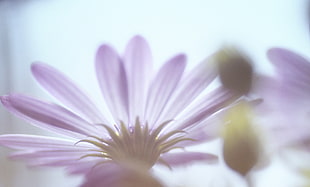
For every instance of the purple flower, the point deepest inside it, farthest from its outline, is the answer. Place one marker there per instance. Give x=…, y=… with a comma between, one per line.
x=286, y=98
x=152, y=114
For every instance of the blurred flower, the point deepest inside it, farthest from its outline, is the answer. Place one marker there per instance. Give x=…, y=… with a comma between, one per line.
x=146, y=123
x=286, y=105
x=241, y=148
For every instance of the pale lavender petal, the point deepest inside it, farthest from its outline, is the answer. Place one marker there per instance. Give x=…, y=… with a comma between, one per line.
x=207, y=106
x=84, y=166
x=191, y=86
x=113, y=82
x=203, y=131
x=35, y=142
x=51, y=162
x=184, y=158
x=210, y=127
x=292, y=68
x=54, y=158
x=55, y=154
x=44, y=151
x=104, y=175
x=62, y=88
x=296, y=133
x=288, y=62
x=163, y=86
x=113, y=175
x=138, y=63
x=48, y=116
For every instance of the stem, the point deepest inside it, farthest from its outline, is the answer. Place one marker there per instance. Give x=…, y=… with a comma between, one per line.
x=249, y=180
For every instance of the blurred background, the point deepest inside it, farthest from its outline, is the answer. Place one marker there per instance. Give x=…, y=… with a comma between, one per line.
x=66, y=34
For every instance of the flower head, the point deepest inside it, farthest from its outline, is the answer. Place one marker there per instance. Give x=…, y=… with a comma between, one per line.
x=286, y=98
x=153, y=113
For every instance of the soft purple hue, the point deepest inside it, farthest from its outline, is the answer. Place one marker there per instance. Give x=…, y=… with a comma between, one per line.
x=131, y=89
x=287, y=99
x=116, y=176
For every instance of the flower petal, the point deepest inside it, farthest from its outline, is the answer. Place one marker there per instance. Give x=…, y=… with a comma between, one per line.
x=83, y=166
x=138, y=63
x=293, y=71
x=292, y=68
x=34, y=142
x=192, y=85
x=62, y=88
x=48, y=116
x=66, y=154
x=51, y=162
x=64, y=157
x=104, y=175
x=113, y=82
x=202, y=132
x=113, y=175
x=207, y=106
x=289, y=62
x=163, y=86
x=183, y=158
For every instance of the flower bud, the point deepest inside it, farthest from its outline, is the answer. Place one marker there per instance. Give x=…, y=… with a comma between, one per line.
x=235, y=70
x=241, y=149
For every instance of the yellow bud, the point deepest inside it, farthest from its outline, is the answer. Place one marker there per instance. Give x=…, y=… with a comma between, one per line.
x=235, y=70
x=241, y=149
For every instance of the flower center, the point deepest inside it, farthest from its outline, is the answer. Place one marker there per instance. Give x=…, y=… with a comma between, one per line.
x=136, y=145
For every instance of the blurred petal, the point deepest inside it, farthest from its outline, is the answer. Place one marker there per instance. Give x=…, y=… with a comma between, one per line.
x=183, y=158
x=138, y=63
x=114, y=175
x=48, y=116
x=289, y=62
x=192, y=85
x=62, y=88
x=292, y=68
x=203, y=131
x=23, y=141
x=51, y=162
x=83, y=166
x=48, y=155
x=113, y=83
x=207, y=106
x=163, y=86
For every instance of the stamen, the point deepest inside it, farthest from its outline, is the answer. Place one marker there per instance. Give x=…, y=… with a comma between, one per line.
x=138, y=144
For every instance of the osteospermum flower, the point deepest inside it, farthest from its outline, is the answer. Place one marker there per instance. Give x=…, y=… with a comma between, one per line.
x=148, y=108
x=286, y=98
